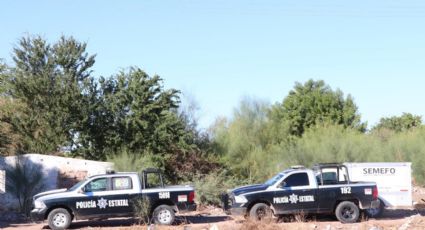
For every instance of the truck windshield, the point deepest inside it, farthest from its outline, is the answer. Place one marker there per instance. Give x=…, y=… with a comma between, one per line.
x=77, y=185
x=274, y=179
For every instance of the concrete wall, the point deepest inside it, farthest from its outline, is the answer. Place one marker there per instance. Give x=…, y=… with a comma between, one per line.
x=59, y=172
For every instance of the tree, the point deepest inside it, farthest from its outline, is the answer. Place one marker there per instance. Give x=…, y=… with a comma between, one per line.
x=313, y=103
x=51, y=82
x=401, y=123
x=131, y=111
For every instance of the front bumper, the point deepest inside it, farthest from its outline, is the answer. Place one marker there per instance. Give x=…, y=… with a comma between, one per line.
x=38, y=214
x=232, y=208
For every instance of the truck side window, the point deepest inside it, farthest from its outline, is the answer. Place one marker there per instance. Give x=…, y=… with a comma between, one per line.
x=297, y=179
x=96, y=185
x=121, y=183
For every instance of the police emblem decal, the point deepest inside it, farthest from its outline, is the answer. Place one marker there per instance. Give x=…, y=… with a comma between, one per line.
x=293, y=198
x=102, y=203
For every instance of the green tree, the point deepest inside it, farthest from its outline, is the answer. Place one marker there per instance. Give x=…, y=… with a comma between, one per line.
x=243, y=141
x=131, y=111
x=313, y=103
x=51, y=81
x=401, y=123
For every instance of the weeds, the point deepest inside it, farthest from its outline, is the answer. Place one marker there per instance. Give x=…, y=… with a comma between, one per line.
x=142, y=210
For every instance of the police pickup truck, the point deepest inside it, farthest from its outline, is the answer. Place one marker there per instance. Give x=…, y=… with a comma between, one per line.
x=113, y=195
x=326, y=188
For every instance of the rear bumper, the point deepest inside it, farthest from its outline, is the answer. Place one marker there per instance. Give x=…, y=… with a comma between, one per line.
x=375, y=204
x=370, y=205
x=185, y=207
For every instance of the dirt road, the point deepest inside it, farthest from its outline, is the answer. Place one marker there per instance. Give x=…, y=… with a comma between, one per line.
x=213, y=218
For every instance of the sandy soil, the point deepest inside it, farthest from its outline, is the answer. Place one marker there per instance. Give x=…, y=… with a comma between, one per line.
x=214, y=219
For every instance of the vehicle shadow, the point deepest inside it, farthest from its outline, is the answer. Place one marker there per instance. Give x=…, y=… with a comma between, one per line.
x=127, y=222
x=201, y=219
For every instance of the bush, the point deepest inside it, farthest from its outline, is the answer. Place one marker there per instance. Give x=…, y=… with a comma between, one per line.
x=209, y=187
x=142, y=210
x=126, y=161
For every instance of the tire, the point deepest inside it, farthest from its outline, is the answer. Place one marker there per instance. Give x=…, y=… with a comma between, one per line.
x=376, y=212
x=347, y=212
x=163, y=215
x=59, y=219
x=260, y=211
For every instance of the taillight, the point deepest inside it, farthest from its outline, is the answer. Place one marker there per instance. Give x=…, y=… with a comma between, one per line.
x=191, y=196
x=375, y=193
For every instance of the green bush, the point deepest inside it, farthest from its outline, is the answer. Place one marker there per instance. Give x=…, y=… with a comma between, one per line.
x=209, y=187
x=125, y=161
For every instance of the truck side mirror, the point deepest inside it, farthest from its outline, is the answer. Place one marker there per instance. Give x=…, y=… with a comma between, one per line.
x=283, y=185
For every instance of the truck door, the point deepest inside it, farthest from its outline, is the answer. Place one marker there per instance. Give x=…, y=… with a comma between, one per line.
x=295, y=193
x=107, y=196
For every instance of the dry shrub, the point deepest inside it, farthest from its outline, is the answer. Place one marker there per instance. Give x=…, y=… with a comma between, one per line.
x=260, y=225
x=300, y=217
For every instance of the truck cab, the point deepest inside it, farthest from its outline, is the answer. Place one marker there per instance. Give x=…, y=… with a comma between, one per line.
x=325, y=188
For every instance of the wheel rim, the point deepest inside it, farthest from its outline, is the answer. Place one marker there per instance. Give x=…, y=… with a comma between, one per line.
x=348, y=213
x=261, y=213
x=59, y=219
x=164, y=216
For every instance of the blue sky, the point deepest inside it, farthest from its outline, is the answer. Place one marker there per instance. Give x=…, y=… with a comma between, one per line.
x=221, y=51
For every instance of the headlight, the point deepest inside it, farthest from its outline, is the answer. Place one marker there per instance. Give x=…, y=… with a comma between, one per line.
x=240, y=199
x=38, y=204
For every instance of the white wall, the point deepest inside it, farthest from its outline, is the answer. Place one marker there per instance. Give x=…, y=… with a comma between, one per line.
x=51, y=166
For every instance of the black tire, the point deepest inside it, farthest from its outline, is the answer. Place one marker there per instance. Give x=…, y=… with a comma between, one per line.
x=163, y=215
x=347, y=212
x=59, y=219
x=260, y=211
x=376, y=212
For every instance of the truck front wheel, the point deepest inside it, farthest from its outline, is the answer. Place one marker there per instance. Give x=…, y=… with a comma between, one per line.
x=59, y=219
x=260, y=211
x=347, y=212
x=163, y=215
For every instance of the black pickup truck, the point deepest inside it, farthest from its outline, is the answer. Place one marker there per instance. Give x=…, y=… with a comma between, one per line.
x=113, y=195
x=326, y=188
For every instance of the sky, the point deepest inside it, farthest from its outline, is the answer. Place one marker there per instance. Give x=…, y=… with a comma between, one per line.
x=219, y=52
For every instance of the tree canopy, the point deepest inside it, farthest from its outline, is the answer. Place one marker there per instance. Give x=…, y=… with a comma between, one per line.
x=401, y=123
x=58, y=105
x=313, y=103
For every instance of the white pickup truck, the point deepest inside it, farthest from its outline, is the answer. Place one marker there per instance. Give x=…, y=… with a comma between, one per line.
x=394, y=181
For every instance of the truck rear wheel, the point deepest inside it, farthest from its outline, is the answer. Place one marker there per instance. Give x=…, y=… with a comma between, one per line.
x=260, y=211
x=59, y=219
x=163, y=215
x=347, y=212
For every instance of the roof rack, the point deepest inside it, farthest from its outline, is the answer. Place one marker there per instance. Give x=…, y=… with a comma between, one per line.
x=327, y=164
x=297, y=167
